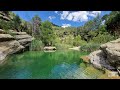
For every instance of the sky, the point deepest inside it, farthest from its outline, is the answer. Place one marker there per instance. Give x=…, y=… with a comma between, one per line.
x=62, y=18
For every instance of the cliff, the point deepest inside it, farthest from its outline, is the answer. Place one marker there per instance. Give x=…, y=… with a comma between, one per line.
x=13, y=42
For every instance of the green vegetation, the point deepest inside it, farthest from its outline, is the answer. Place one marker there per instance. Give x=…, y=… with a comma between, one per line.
x=36, y=45
x=89, y=36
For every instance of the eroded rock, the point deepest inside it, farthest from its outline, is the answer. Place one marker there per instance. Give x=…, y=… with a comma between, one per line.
x=10, y=44
x=9, y=47
x=6, y=37
x=108, y=56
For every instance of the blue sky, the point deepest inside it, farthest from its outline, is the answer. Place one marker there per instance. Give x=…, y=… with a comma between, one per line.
x=62, y=18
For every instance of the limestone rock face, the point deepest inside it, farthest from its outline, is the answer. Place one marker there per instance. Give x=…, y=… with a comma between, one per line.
x=112, y=51
x=22, y=37
x=108, y=56
x=6, y=37
x=97, y=58
x=19, y=37
x=13, y=43
x=25, y=42
x=9, y=47
x=2, y=31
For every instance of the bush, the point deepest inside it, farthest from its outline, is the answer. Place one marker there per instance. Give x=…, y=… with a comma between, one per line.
x=5, y=25
x=37, y=45
x=103, y=38
x=89, y=47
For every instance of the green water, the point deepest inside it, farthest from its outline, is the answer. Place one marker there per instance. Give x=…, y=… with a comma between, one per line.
x=44, y=65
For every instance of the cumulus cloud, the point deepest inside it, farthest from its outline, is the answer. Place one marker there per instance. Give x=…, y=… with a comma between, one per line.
x=103, y=22
x=51, y=17
x=65, y=25
x=64, y=15
x=94, y=13
x=56, y=12
x=78, y=15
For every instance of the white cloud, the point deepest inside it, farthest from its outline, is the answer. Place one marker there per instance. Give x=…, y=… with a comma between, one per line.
x=103, y=22
x=94, y=13
x=64, y=15
x=78, y=15
x=56, y=12
x=51, y=17
x=65, y=25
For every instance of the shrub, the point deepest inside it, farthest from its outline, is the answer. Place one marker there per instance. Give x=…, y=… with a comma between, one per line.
x=36, y=45
x=89, y=47
x=103, y=38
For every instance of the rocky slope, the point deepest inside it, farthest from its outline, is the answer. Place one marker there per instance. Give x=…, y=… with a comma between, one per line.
x=108, y=56
x=4, y=16
x=13, y=43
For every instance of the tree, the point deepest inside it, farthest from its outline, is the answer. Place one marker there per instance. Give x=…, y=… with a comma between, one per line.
x=16, y=24
x=36, y=22
x=113, y=23
x=47, y=34
x=89, y=30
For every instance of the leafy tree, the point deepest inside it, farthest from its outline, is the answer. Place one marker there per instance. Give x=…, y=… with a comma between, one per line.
x=113, y=23
x=16, y=23
x=47, y=34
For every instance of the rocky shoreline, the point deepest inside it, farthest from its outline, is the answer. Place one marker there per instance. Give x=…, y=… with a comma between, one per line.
x=107, y=58
x=13, y=42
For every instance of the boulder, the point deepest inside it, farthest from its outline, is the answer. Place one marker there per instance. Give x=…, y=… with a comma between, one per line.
x=112, y=51
x=49, y=48
x=108, y=56
x=6, y=37
x=97, y=58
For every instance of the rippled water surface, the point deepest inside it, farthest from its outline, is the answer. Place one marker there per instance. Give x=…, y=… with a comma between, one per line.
x=46, y=65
